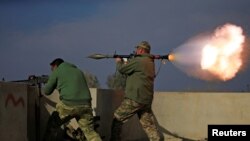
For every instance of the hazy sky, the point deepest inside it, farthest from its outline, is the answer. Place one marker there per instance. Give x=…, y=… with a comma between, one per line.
x=33, y=33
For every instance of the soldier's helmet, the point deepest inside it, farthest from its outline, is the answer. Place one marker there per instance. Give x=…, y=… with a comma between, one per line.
x=145, y=45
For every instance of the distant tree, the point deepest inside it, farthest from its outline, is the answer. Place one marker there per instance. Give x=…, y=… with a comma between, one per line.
x=92, y=80
x=116, y=81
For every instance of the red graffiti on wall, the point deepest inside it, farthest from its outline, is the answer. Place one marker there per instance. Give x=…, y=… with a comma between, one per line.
x=15, y=102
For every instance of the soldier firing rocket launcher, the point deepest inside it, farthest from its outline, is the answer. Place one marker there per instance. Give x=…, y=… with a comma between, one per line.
x=169, y=57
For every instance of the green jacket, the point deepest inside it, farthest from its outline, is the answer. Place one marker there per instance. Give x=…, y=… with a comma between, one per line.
x=71, y=84
x=140, y=73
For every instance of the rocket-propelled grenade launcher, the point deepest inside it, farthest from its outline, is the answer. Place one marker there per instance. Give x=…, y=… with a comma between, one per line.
x=169, y=57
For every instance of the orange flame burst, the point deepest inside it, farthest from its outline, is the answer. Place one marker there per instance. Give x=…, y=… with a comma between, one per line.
x=171, y=57
x=222, y=56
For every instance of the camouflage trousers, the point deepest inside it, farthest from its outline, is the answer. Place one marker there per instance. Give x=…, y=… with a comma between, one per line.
x=85, y=122
x=126, y=110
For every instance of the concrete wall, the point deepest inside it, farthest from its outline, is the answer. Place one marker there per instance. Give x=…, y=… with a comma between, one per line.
x=180, y=115
x=13, y=112
x=187, y=115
